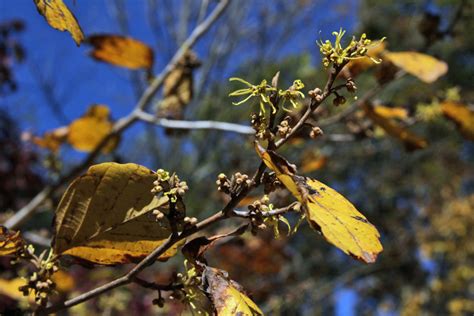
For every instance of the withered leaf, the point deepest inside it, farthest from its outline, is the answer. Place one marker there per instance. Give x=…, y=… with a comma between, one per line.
x=103, y=216
x=228, y=296
x=60, y=18
x=394, y=129
x=461, y=115
x=425, y=67
x=10, y=242
x=52, y=140
x=178, y=88
x=121, y=51
x=327, y=211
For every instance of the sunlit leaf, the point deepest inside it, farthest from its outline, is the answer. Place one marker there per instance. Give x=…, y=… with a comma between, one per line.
x=462, y=116
x=394, y=129
x=312, y=161
x=328, y=211
x=10, y=288
x=88, y=131
x=121, y=51
x=59, y=17
x=64, y=281
x=103, y=216
x=228, y=296
x=10, y=242
x=426, y=68
x=391, y=112
x=52, y=140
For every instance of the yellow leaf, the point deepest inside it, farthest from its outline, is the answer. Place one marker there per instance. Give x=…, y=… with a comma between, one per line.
x=312, y=161
x=52, y=140
x=10, y=288
x=462, y=116
x=103, y=216
x=88, y=131
x=391, y=112
x=121, y=51
x=426, y=68
x=392, y=128
x=10, y=242
x=227, y=296
x=327, y=211
x=64, y=281
x=59, y=17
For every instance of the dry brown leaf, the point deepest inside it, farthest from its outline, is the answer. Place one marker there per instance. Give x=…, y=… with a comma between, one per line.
x=10, y=242
x=178, y=88
x=88, y=131
x=121, y=51
x=59, y=17
x=411, y=141
x=425, y=67
x=228, y=296
x=103, y=216
x=327, y=211
x=461, y=115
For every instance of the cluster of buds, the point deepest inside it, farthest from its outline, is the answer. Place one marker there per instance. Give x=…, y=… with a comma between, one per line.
x=262, y=205
x=315, y=132
x=170, y=185
x=350, y=85
x=40, y=282
x=259, y=124
x=338, y=55
x=284, y=127
x=339, y=100
x=270, y=182
x=316, y=94
x=236, y=183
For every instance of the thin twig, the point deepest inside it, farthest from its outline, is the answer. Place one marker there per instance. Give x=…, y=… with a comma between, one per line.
x=191, y=125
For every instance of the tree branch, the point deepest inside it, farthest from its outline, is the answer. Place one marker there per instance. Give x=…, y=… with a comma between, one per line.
x=28, y=210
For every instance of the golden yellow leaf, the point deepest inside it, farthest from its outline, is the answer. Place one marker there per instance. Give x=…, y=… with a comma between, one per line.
x=178, y=88
x=228, y=296
x=411, y=141
x=121, y=51
x=52, y=140
x=391, y=112
x=59, y=17
x=64, y=281
x=425, y=67
x=312, y=161
x=10, y=288
x=88, y=131
x=104, y=216
x=461, y=115
x=10, y=242
x=327, y=211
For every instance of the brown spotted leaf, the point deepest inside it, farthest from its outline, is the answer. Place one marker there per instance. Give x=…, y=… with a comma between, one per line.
x=227, y=296
x=327, y=211
x=103, y=216
x=10, y=242
x=121, y=51
x=60, y=18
